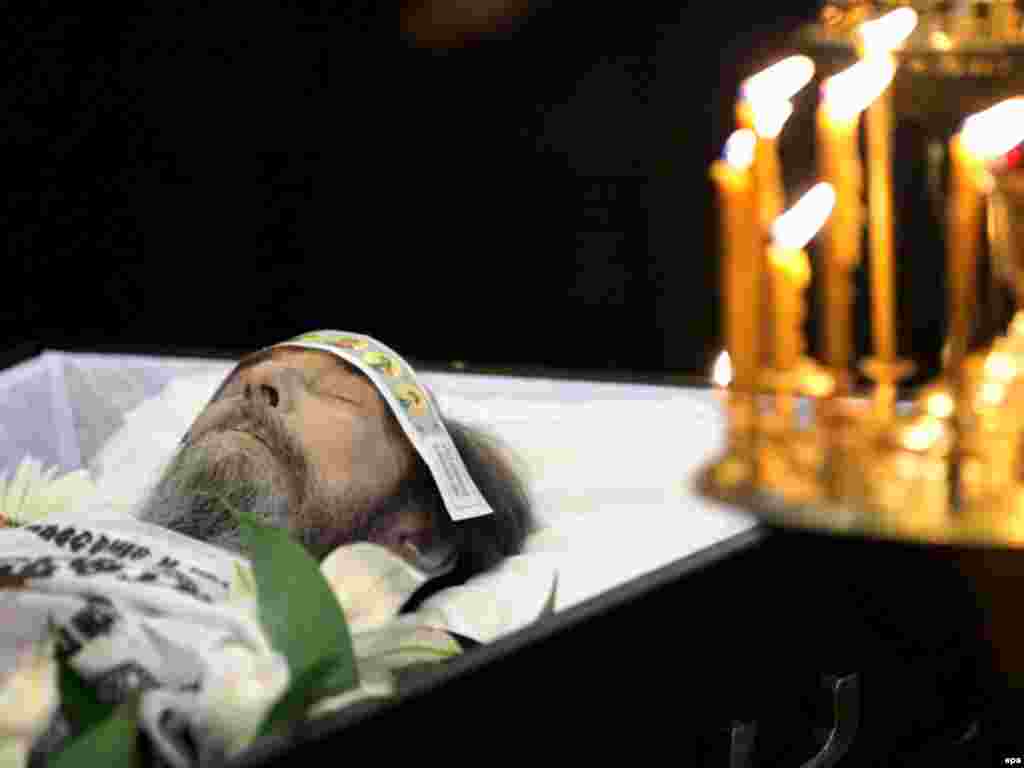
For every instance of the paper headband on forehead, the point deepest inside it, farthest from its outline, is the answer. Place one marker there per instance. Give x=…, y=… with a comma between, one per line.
x=415, y=408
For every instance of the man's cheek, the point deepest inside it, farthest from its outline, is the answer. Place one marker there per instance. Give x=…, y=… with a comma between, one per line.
x=377, y=460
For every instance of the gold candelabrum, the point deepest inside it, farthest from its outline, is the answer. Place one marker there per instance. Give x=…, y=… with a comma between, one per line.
x=805, y=448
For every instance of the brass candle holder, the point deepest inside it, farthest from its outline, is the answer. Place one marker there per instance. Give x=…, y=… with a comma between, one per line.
x=944, y=466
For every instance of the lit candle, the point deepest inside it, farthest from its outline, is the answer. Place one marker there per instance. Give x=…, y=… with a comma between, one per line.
x=764, y=107
x=844, y=97
x=984, y=137
x=880, y=228
x=721, y=377
x=791, y=271
x=878, y=39
x=963, y=228
x=769, y=116
x=741, y=256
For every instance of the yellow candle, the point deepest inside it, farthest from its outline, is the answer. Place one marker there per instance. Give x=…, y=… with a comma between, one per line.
x=963, y=239
x=878, y=126
x=844, y=97
x=769, y=118
x=741, y=257
x=764, y=106
x=744, y=115
x=839, y=164
x=791, y=271
x=766, y=119
x=985, y=136
x=878, y=39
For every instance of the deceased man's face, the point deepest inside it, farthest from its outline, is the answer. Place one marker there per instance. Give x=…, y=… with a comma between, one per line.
x=305, y=442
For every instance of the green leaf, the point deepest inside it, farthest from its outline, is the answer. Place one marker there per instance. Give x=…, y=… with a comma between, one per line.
x=305, y=690
x=549, y=604
x=78, y=699
x=113, y=742
x=298, y=610
x=339, y=678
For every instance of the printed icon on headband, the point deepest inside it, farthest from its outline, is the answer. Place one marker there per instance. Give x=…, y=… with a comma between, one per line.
x=334, y=340
x=382, y=363
x=350, y=343
x=413, y=401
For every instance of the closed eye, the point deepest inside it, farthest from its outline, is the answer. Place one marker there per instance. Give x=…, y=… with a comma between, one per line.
x=336, y=396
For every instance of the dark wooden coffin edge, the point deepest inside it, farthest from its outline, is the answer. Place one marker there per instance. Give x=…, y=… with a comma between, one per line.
x=539, y=672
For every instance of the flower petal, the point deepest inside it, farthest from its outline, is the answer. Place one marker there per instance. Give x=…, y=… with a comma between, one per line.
x=402, y=642
x=370, y=582
x=33, y=493
x=375, y=681
x=494, y=603
x=29, y=693
x=239, y=690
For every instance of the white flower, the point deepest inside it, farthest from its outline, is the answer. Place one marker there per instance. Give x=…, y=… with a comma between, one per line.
x=239, y=691
x=370, y=582
x=403, y=641
x=375, y=681
x=29, y=697
x=34, y=493
x=494, y=603
x=380, y=651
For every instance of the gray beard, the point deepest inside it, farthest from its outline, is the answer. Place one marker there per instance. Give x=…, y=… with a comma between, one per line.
x=197, y=497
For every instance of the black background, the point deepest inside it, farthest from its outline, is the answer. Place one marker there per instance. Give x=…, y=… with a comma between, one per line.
x=197, y=178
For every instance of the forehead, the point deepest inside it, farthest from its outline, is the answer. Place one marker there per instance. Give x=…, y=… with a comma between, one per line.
x=314, y=363
x=298, y=357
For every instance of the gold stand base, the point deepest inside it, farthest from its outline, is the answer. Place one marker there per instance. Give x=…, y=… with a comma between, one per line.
x=886, y=376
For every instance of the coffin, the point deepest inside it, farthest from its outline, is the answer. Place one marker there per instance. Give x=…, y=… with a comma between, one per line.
x=680, y=623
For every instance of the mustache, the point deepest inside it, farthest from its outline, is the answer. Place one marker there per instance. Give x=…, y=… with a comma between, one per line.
x=267, y=426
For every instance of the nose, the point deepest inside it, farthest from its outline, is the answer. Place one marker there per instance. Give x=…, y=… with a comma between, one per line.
x=275, y=385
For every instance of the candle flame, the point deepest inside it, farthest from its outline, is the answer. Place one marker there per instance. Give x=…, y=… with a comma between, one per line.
x=941, y=41
x=780, y=81
x=940, y=404
x=739, y=149
x=922, y=435
x=770, y=115
x=887, y=33
x=721, y=371
x=992, y=392
x=850, y=92
x=1000, y=365
x=792, y=263
x=794, y=228
x=993, y=132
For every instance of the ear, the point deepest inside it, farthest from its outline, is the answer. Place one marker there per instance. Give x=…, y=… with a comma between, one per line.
x=422, y=535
